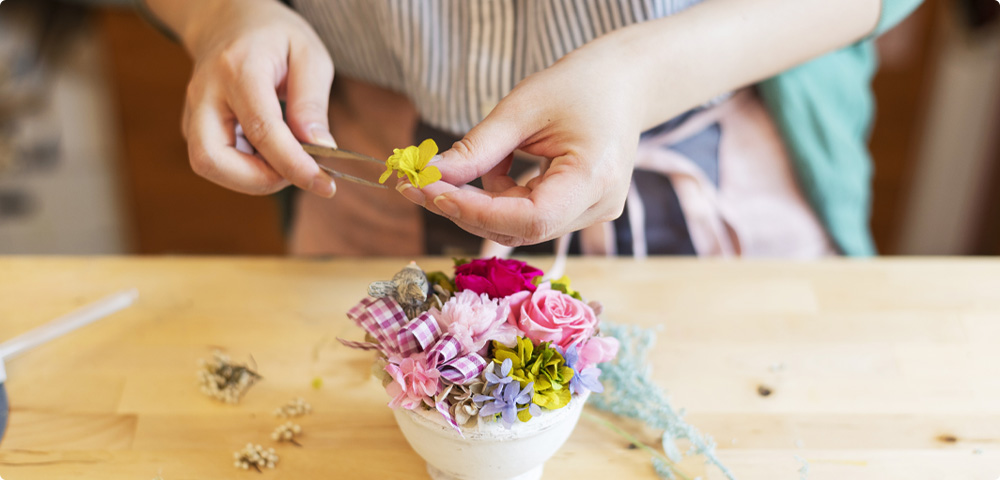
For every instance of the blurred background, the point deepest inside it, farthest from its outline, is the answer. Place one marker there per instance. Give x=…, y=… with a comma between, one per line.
x=92, y=160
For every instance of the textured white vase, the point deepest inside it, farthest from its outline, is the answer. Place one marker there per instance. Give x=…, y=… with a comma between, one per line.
x=488, y=451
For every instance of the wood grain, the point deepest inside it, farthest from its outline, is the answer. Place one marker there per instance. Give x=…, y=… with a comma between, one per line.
x=876, y=369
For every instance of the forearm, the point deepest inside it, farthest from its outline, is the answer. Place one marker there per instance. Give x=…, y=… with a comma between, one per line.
x=194, y=21
x=678, y=62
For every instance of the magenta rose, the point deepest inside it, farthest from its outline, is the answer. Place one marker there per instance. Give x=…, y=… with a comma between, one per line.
x=548, y=315
x=496, y=277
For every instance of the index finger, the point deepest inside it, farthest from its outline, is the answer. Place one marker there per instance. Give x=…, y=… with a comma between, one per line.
x=256, y=106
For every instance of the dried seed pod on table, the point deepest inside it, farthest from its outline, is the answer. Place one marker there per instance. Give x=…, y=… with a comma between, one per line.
x=287, y=433
x=295, y=407
x=224, y=380
x=256, y=457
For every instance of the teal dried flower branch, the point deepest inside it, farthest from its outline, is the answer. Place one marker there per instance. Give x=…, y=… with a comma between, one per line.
x=630, y=391
x=803, y=468
x=663, y=466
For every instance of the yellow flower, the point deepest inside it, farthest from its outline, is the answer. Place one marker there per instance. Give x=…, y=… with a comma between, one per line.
x=411, y=162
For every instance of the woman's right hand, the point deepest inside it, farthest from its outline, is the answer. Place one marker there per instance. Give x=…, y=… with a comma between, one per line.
x=248, y=54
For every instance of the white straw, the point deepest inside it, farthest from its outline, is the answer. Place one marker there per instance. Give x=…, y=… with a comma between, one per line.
x=67, y=323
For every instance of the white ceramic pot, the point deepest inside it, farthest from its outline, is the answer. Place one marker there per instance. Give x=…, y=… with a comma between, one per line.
x=488, y=451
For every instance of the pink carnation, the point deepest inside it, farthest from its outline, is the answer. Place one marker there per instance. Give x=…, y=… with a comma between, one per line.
x=474, y=320
x=413, y=382
x=597, y=350
x=547, y=315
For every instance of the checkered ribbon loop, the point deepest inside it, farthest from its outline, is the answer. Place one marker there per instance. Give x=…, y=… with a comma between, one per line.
x=455, y=369
x=382, y=318
x=417, y=335
x=395, y=335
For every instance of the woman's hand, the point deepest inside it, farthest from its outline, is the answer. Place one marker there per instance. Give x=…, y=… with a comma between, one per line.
x=585, y=112
x=249, y=54
x=582, y=115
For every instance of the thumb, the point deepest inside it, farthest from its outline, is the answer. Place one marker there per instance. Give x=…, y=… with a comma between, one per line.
x=485, y=146
x=310, y=75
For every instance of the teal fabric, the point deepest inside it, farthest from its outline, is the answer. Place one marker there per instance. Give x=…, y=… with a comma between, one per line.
x=824, y=110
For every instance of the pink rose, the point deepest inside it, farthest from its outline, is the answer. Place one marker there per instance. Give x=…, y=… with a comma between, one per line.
x=552, y=316
x=495, y=277
x=413, y=382
x=474, y=319
x=597, y=350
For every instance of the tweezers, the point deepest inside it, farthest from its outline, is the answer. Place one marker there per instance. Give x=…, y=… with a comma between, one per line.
x=319, y=151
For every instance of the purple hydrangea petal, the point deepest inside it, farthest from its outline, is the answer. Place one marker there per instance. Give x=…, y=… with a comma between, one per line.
x=571, y=356
x=481, y=398
x=588, y=379
x=510, y=393
x=505, y=367
x=575, y=386
x=526, y=393
x=534, y=409
x=490, y=409
x=491, y=378
x=509, y=415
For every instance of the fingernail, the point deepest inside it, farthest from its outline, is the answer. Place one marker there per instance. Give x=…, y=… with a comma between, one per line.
x=412, y=194
x=447, y=206
x=435, y=158
x=323, y=185
x=321, y=136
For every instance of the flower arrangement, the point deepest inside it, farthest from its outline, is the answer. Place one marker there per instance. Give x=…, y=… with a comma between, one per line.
x=493, y=342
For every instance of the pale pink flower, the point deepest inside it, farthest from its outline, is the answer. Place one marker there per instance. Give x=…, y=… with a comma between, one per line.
x=413, y=382
x=597, y=350
x=474, y=319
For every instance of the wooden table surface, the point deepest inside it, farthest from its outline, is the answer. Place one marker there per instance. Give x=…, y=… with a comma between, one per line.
x=878, y=369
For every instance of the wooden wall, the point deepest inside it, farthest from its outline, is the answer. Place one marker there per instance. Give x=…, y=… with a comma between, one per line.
x=172, y=210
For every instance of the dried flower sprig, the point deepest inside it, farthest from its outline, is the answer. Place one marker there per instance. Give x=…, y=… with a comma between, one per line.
x=256, y=457
x=631, y=392
x=287, y=433
x=224, y=380
x=295, y=407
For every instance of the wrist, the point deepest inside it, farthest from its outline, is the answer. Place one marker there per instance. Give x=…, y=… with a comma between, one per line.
x=196, y=22
x=634, y=79
x=178, y=17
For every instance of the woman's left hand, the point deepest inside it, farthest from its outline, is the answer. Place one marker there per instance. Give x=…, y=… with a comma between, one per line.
x=579, y=115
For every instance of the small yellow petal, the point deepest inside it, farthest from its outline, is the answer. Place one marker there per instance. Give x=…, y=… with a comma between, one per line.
x=414, y=178
x=385, y=175
x=428, y=176
x=393, y=159
x=410, y=157
x=427, y=151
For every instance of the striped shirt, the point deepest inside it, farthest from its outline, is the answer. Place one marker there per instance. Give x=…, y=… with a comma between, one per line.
x=455, y=59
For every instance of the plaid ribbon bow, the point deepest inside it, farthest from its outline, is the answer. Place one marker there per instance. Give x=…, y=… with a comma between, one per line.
x=399, y=337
